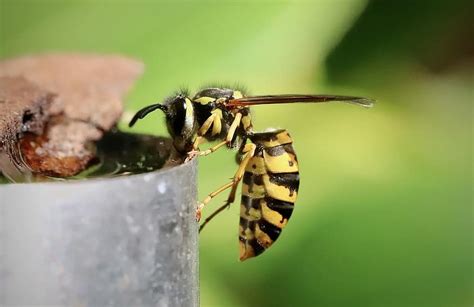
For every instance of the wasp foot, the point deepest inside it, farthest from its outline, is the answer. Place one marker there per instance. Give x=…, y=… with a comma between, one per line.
x=191, y=155
x=199, y=211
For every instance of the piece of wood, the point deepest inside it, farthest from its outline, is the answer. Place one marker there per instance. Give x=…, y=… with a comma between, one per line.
x=24, y=107
x=89, y=91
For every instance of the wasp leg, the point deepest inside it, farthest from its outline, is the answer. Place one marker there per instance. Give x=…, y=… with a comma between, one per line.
x=249, y=150
x=195, y=150
x=210, y=217
x=203, y=130
x=209, y=197
x=200, y=139
x=228, y=139
x=211, y=150
x=233, y=127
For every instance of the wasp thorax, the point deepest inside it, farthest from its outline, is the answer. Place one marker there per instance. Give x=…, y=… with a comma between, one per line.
x=180, y=121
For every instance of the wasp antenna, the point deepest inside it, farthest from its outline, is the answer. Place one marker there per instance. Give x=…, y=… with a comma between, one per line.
x=145, y=111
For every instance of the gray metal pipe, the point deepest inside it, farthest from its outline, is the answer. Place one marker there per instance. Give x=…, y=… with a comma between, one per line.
x=125, y=241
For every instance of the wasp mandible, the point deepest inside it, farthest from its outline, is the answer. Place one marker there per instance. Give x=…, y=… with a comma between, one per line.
x=267, y=161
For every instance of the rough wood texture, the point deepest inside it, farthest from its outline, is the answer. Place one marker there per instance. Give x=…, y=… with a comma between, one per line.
x=88, y=90
x=62, y=150
x=23, y=107
x=90, y=87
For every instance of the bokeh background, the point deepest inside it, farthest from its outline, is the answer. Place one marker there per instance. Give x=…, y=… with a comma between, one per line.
x=384, y=216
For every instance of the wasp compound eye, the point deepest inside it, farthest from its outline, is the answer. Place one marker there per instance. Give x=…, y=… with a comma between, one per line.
x=177, y=115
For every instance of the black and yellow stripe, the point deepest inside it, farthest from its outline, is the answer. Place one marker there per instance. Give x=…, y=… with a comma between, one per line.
x=215, y=119
x=269, y=190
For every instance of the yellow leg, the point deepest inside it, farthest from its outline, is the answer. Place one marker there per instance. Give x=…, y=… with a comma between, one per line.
x=198, y=141
x=228, y=139
x=209, y=197
x=212, y=149
x=205, y=127
x=249, y=151
x=207, y=124
x=233, y=127
x=202, y=131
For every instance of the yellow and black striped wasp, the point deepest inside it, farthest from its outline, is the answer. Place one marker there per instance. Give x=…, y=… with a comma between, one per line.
x=267, y=161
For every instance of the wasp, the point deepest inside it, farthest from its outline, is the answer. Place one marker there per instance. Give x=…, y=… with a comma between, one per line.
x=268, y=166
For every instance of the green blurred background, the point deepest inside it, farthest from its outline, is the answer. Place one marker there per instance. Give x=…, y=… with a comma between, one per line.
x=384, y=216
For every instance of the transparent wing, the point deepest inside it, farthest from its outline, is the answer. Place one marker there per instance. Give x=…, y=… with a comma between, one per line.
x=275, y=99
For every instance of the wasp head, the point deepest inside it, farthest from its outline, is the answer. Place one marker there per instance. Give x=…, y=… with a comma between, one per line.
x=180, y=120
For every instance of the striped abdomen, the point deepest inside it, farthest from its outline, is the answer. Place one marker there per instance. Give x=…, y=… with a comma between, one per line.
x=269, y=190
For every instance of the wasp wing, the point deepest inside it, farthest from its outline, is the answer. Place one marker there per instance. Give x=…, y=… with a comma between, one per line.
x=276, y=99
